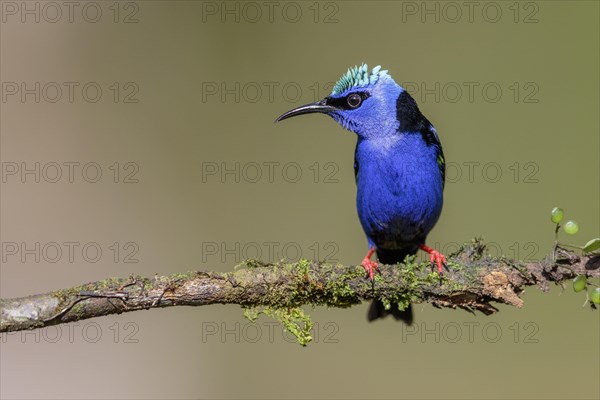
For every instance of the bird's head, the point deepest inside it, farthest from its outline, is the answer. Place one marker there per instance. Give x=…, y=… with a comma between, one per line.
x=362, y=101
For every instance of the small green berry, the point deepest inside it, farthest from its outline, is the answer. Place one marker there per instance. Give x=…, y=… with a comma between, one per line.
x=571, y=227
x=595, y=296
x=557, y=215
x=579, y=283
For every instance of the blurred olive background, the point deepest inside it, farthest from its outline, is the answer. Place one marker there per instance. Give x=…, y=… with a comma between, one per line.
x=188, y=97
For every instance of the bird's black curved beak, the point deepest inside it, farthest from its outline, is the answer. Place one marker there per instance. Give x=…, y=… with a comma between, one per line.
x=317, y=107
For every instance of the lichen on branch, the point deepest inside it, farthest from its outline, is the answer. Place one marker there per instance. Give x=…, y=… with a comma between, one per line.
x=475, y=281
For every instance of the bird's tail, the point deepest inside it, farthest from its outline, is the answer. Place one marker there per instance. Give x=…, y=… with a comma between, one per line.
x=377, y=310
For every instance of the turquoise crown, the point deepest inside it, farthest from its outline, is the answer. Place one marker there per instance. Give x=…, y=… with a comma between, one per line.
x=358, y=77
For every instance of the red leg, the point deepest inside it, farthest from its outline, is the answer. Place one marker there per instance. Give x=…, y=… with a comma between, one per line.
x=435, y=257
x=368, y=265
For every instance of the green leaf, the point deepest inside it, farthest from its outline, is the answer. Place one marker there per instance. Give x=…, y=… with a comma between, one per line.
x=592, y=245
x=579, y=283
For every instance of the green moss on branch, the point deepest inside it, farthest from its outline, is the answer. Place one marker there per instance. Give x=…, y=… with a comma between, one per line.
x=476, y=280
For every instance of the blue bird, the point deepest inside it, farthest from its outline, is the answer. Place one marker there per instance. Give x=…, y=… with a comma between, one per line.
x=398, y=164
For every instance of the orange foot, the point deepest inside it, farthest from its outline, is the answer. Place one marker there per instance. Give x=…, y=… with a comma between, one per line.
x=435, y=257
x=370, y=266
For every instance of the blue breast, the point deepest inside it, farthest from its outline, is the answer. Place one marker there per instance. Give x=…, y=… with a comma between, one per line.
x=400, y=189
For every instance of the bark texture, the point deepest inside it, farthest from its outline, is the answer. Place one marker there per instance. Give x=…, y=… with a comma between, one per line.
x=475, y=281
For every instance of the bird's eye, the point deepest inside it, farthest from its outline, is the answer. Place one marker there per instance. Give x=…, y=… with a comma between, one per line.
x=354, y=100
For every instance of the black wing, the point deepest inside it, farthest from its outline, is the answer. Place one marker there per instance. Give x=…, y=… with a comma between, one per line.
x=412, y=120
x=441, y=160
x=430, y=137
x=442, y=164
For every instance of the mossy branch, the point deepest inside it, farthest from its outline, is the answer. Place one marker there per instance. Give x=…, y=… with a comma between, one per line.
x=475, y=281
